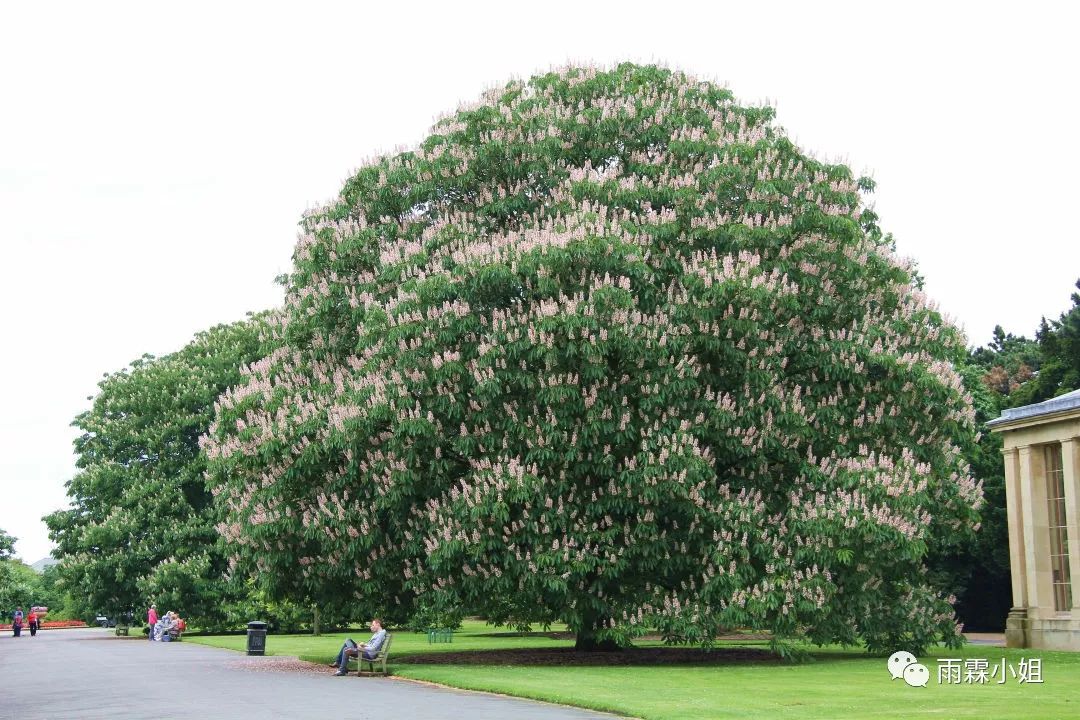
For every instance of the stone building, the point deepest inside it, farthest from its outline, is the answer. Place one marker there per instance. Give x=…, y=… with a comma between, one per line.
x=1042, y=492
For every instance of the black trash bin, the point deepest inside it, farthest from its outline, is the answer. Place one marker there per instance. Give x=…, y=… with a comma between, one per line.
x=256, y=638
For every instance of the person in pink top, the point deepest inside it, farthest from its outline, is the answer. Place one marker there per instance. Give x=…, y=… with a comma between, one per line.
x=151, y=618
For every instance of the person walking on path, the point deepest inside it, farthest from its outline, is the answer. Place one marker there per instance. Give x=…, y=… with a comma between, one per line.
x=32, y=621
x=151, y=619
x=16, y=622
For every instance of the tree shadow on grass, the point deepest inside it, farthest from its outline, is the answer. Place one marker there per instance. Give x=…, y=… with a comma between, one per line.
x=560, y=657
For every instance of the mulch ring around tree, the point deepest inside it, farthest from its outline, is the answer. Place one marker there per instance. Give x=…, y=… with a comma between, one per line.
x=566, y=635
x=569, y=656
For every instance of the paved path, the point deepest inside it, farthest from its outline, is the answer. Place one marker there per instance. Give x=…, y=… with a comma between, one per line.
x=94, y=674
x=993, y=639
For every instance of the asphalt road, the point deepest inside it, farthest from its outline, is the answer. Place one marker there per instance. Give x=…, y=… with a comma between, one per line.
x=94, y=674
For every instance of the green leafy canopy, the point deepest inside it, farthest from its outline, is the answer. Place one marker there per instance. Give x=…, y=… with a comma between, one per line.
x=141, y=523
x=607, y=348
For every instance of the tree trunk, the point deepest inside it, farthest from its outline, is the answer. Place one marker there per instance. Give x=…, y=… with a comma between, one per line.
x=586, y=637
x=588, y=643
x=315, y=625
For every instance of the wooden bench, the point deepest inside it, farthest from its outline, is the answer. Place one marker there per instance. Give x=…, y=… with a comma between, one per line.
x=380, y=657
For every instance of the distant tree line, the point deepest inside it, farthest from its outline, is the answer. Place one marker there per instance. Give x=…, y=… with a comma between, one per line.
x=22, y=586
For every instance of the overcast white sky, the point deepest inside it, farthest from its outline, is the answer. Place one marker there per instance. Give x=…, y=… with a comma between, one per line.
x=155, y=159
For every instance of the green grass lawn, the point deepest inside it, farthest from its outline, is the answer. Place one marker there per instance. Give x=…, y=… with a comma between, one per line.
x=833, y=684
x=474, y=635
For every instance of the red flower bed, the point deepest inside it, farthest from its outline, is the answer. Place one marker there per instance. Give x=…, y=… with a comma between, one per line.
x=48, y=624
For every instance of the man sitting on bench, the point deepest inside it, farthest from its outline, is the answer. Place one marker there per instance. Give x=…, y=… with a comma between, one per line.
x=369, y=649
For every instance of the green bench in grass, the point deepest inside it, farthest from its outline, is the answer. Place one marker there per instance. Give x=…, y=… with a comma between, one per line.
x=380, y=657
x=437, y=635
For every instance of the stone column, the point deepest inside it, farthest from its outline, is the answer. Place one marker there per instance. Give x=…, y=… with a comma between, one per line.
x=1036, y=535
x=1071, y=474
x=1016, y=623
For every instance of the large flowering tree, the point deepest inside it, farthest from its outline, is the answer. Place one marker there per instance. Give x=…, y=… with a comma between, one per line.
x=141, y=523
x=605, y=348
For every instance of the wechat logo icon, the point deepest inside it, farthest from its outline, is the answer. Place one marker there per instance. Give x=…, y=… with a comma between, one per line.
x=903, y=664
